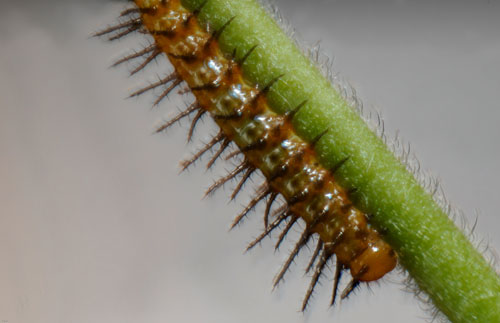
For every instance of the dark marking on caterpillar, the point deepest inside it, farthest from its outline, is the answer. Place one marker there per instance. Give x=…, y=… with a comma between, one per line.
x=266, y=141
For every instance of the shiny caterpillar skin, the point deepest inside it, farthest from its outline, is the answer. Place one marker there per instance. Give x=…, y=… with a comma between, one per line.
x=265, y=140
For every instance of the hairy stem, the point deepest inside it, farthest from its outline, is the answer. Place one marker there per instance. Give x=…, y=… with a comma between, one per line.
x=435, y=252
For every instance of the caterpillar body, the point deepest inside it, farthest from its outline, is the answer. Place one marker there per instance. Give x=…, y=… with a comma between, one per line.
x=265, y=140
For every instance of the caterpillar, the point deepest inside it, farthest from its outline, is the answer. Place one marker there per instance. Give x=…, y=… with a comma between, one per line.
x=265, y=141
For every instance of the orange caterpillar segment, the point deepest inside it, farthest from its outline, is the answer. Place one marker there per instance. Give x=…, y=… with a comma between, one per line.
x=267, y=142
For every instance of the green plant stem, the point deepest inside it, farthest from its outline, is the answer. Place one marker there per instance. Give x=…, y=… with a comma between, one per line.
x=434, y=251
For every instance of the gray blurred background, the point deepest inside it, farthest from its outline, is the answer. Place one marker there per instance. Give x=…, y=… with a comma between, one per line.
x=97, y=226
